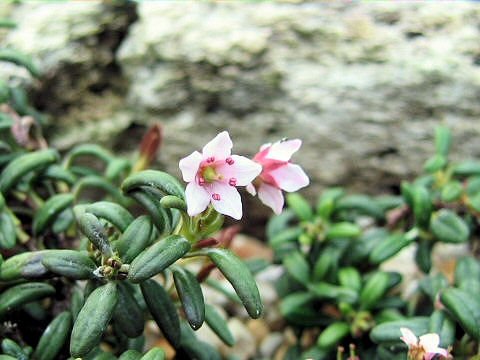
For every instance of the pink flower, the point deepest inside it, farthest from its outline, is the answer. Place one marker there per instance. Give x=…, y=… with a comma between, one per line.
x=213, y=175
x=278, y=173
x=425, y=348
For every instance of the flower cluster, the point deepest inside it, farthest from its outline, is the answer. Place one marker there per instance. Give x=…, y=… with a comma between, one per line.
x=214, y=174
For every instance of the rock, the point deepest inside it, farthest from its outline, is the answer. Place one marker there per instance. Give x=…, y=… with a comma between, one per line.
x=270, y=344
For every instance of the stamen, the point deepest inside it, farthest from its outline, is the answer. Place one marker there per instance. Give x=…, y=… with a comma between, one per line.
x=216, y=197
x=211, y=159
x=201, y=181
x=232, y=182
x=229, y=161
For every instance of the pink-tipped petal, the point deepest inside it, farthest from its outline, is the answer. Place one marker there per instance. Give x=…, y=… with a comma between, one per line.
x=251, y=189
x=429, y=342
x=438, y=351
x=408, y=337
x=197, y=198
x=290, y=177
x=189, y=166
x=264, y=146
x=283, y=150
x=272, y=197
x=230, y=203
x=220, y=147
x=242, y=169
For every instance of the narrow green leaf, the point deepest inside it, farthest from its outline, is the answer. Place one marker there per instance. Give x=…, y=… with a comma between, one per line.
x=70, y=263
x=449, y=227
x=22, y=294
x=300, y=206
x=54, y=337
x=128, y=315
x=154, y=354
x=163, y=310
x=157, y=257
x=93, y=319
x=8, y=236
x=115, y=214
x=374, y=290
x=191, y=296
x=240, y=277
x=218, y=324
x=452, y=191
x=135, y=239
x=332, y=335
x=361, y=204
x=349, y=277
x=343, y=230
x=388, y=248
x=389, y=332
x=50, y=210
x=164, y=183
x=91, y=227
x=465, y=308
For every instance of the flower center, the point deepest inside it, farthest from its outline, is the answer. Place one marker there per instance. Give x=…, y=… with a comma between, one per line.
x=208, y=175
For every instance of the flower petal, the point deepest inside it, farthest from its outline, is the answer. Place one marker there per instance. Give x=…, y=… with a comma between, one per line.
x=272, y=197
x=408, y=337
x=283, y=150
x=220, y=147
x=230, y=203
x=264, y=146
x=251, y=189
x=197, y=198
x=189, y=166
x=242, y=169
x=429, y=342
x=290, y=177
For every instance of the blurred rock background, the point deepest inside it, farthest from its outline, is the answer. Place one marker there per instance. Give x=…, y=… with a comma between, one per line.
x=362, y=84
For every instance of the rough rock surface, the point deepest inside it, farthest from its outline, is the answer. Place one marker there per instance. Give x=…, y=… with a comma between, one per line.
x=362, y=84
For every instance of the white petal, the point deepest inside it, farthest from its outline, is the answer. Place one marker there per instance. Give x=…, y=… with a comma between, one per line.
x=430, y=342
x=243, y=170
x=197, y=198
x=408, y=337
x=251, y=189
x=290, y=177
x=272, y=197
x=189, y=166
x=230, y=203
x=283, y=150
x=264, y=146
x=220, y=147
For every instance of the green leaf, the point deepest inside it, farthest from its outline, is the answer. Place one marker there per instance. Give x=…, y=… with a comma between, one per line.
x=77, y=302
x=25, y=265
x=191, y=296
x=465, y=308
x=116, y=168
x=130, y=355
x=388, y=248
x=433, y=284
x=160, y=216
x=297, y=267
x=467, y=268
x=326, y=202
x=54, y=337
x=449, y=227
x=349, y=277
x=422, y=205
x=8, y=236
x=374, y=290
x=69, y=263
x=18, y=58
x=452, y=191
x=91, y=227
x=115, y=214
x=343, y=230
x=135, y=239
x=332, y=335
x=219, y=325
x=194, y=348
x=173, y=202
x=22, y=294
x=300, y=206
x=389, y=332
x=97, y=182
x=158, y=257
x=361, y=204
x=59, y=173
x=297, y=307
x=443, y=140
x=10, y=347
x=50, y=210
x=423, y=256
x=278, y=223
x=163, y=310
x=163, y=183
x=288, y=235
x=128, y=315
x=93, y=319
x=467, y=168
x=92, y=150
x=325, y=290
x=441, y=324
x=240, y=277
x=154, y=354
x=24, y=164
x=435, y=163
